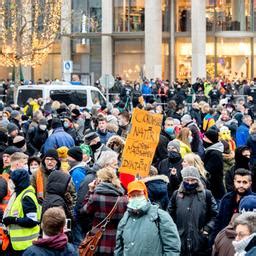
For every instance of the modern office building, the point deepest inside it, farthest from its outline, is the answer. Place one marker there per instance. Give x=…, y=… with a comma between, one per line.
x=156, y=38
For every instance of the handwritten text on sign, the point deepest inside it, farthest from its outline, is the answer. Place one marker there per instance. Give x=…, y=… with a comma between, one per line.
x=141, y=143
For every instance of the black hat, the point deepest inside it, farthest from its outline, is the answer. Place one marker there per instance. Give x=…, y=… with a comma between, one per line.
x=89, y=136
x=76, y=112
x=212, y=135
x=12, y=127
x=56, y=123
x=54, y=154
x=76, y=153
x=11, y=150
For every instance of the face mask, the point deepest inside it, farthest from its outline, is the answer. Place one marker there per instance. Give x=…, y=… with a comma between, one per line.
x=25, y=167
x=137, y=203
x=174, y=156
x=190, y=139
x=66, y=125
x=242, y=244
x=169, y=130
x=95, y=146
x=72, y=163
x=42, y=127
x=190, y=187
x=33, y=169
x=206, y=144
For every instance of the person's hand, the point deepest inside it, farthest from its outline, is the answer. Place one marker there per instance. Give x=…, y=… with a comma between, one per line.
x=173, y=171
x=92, y=185
x=9, y=220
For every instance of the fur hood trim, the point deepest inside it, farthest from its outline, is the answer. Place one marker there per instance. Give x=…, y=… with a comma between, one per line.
x=156, y=177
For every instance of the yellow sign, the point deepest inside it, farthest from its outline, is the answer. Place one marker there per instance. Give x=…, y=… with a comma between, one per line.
x=141, y=143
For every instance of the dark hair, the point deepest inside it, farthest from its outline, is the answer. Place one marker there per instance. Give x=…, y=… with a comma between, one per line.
x=34, y=158
x=102, y=118
x=242, y=172
x=125, y=114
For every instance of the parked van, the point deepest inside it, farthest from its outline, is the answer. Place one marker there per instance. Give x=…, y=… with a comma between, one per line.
x=84, y=96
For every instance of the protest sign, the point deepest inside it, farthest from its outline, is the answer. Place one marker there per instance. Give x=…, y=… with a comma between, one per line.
x=141, y=143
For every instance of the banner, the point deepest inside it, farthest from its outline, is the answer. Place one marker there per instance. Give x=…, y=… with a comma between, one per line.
x=141, y=143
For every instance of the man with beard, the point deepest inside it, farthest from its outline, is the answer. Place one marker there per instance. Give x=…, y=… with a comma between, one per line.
x=230, y=202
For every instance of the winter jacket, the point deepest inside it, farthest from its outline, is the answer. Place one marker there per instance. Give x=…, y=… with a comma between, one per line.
x=199, y=209
x=58, y=139
x=151, y=232
x=51, y=246
x=223, y=242
x=228, y=206
x=98, y=205
x=251, y=143
x=242, y=134
x=78, y=174
x=184, y=148
x=196, y=115
x=213, y=163
x=158, y=190
x=145, y=89
x=56, y=193
x=104, y=136
x=208, y=122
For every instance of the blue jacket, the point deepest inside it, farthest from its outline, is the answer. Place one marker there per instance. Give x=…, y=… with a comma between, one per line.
x=242, y=134
x=78, y=174
x=104, y=136
x=58, y=139
x=146, y=89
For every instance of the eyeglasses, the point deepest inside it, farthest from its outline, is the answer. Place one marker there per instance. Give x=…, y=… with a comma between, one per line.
x=50, y=159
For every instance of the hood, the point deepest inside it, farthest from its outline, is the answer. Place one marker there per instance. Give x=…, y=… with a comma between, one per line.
x=20, y=178
x=57, y=242
x=230, y=232
x=57, y=183
x=157, y=186
x=240, y=160
x=116, y=143
x=163, y=178
x=106, y=188
x=217, y=146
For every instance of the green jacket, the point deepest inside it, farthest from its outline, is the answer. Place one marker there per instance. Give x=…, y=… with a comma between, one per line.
x=151, y=232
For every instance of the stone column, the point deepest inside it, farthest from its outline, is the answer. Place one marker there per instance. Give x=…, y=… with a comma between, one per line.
x=198, y=31
x=106, y=40
x=172, y=42
x=66, y=12
x=238, y=13
x=153, y=38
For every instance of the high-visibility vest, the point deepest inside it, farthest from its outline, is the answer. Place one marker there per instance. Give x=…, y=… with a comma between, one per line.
x=4, y=240
x=39, y=184
x=22, y=237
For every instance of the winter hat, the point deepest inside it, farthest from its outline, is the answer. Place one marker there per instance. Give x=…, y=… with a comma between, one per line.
x=4, y=123
x=20, y=178
x=3, y=136
x=52, y=153
x=56, y=123
x=89, y=136
x=15, y=113
x=76, y=153
x=12, y=127
x=212, y=135
x=174, y=144
x=186, y=119
x=11, y=150
x=190, y=172
x=76, y=112
x=85, y=149
x=137, y=185
x=248, y=204
x=63, y=152
x=19, y=141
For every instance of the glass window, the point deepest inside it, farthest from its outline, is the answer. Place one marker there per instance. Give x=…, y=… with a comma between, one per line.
x=129, y=15
x=97, y=97
x=210, y=59
x=233, y=15
x=129, y=58
x=210, y=5
x=77, y=97
x=24, y=95
x=166, y=15
x=183, y=15
x=183, y=58
x=165, y=59
x=234, y=58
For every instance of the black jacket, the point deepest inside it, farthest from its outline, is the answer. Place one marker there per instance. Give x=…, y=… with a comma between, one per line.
x=213, y=162
x=193, y=212
x=56, y=189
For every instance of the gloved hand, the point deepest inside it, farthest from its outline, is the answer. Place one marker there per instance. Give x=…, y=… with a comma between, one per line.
x=9, y=220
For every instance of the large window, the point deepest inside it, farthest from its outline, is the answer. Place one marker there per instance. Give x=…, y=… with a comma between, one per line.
x=234, y=57
x=166, y=15
x=129, y=58
x=183, y=15
x=234, y=15
x=129, y=15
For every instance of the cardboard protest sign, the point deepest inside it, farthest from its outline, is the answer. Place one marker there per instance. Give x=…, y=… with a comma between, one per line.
x=141, y=143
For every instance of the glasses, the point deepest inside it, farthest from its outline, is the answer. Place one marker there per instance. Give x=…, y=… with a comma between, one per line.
x=50, y=159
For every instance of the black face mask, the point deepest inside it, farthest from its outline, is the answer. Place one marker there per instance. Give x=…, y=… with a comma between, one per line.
x=206, y=144
x=95, y=146
x=174, y=157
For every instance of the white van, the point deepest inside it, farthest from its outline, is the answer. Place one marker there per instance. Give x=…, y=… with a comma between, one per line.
x=84, y=96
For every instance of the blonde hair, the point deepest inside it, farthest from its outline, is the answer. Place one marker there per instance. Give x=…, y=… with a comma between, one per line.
x=55, y=105
x=18, y=156
x=195, y=160
x=253, y=128
x=183, y=135
x=108, y=175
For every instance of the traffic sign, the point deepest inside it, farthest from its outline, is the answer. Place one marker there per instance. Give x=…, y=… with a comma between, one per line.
x=107, y=81
x=68, y=66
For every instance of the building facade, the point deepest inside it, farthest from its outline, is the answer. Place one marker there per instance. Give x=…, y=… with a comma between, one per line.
x=172, y=39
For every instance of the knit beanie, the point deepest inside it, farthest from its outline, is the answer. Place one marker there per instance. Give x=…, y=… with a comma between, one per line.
x=19, y=141
x=190, y=172
x=85, y=149
x=186, y=119
x=248, y=204
x=75, y=112
x=15, y=113
x=11, y=150
x=174, y=144
x=52, y=153
x=76, y=153
x=89, y=136
x=212, y=135
x=56, y=123
x=62, y=152
x=12, y=127
x=137, y=185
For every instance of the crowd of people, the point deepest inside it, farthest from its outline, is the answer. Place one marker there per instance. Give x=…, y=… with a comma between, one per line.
x=60, y=176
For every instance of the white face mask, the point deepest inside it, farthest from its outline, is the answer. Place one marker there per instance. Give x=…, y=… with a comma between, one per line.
x=42, y=127
x=137, y=203
x=33, y=169
x=241, y=245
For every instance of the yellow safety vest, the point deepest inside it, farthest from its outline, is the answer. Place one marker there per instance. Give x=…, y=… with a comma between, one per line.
x=22, y=237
